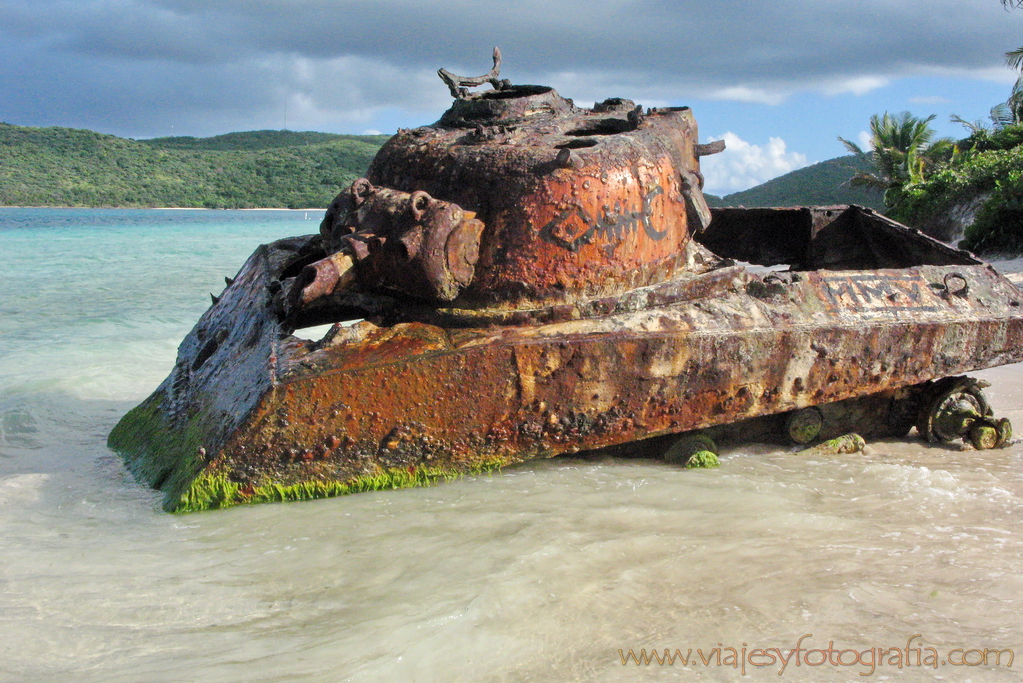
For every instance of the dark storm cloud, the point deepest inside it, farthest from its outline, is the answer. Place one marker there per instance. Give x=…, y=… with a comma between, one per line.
x=137, y=67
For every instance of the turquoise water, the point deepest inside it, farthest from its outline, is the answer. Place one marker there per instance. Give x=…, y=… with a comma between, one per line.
x=539, y=573
x=87, y=288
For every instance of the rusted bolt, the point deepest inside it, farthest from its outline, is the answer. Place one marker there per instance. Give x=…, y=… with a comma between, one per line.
x=566, y=159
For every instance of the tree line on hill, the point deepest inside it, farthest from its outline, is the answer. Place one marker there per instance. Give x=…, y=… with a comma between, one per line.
x=81, y=168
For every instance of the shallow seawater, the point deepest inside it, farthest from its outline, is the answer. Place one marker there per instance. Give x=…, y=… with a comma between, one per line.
x=537, y=573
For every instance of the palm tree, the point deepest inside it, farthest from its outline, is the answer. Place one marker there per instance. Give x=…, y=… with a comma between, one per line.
x=1011, y=111
x=902, y=149
x=1002, y=115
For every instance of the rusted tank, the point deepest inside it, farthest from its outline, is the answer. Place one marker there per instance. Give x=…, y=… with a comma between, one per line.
x=534, y=278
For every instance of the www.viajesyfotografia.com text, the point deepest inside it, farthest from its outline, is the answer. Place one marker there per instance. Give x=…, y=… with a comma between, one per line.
x=868, y=660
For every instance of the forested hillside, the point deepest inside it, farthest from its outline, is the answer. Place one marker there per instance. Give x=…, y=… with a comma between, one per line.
x=81, y=168
x=819, y=184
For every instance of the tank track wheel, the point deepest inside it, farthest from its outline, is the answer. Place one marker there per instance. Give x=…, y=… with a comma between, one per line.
x=804, y=425
x=693, y=451
x=956, y=408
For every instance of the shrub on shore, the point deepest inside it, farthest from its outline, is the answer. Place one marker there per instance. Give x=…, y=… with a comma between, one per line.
x=990, y=178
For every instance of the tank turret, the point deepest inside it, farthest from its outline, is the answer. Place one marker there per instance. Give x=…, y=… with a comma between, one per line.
x=516, y=198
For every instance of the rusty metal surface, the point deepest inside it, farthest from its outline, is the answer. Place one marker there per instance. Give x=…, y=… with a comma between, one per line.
x=368, y=398
x=459, y=85
x=537, y=279
x=575, y=202
x=389, y=240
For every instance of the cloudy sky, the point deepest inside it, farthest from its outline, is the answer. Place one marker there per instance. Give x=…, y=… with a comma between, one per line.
x=779, y=80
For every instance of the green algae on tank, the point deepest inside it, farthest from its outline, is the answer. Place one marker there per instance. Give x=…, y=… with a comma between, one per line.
x=213, y=491
x=845, y=444
x=157, y=455
x=703, y=460
x=693, y=451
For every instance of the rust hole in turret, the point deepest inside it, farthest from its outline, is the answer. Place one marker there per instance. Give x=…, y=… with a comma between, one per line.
x=576, y=144
x=515, y=91
x=604, y=127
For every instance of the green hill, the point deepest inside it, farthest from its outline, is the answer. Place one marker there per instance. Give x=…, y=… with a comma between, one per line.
x=259, y=139
x=820, y=184
x=81, y=168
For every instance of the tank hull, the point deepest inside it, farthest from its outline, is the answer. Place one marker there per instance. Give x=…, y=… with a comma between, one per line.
x=252, y=413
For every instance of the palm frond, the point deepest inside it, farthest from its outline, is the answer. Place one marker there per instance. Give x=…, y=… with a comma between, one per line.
x=868, y=180
x=972, y=126
x=853, y=147
x=1015, y=101
x=1014, y=58
x=1001, y=115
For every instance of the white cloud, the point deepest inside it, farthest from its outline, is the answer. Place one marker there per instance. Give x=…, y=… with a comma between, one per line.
x=744, y=165
x=865, y=138
x=860, y=85
x=995, y=74
x=741, y=93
